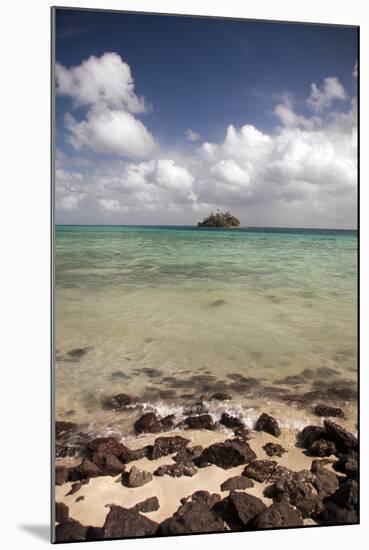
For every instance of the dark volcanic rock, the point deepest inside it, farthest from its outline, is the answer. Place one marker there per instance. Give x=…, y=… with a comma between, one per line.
x=266, y=423
x=335, y=515
x=188, y=454
x=310, y=434
x=61, y=475
x=150, y=504
x=279, y=514
x=123, y=400
x=167, y=445
x=61, y=451
x=107, y=445
x=260, y=470
x=343, y=439
x=136, y=477
x=122, y=523
x=202, y=422
x=298, y=491
x=61, y=512
x=231, y=453
x=238, y=509
x=195, y=515
x=274, y=449
x=63, y=428
x=128, y=455
x=324, y=481
x=108, y=463
x=324, y=410
x=347, y=464
x=176, y=470
x=70, y=531
x=148, y=423
x=221, y=396
x=236, y=482
x=85, y=470
x=347, y=495
x=94, y=533
x=167, y=422
x=322, y=447
x=76, y=486
x=231, y=421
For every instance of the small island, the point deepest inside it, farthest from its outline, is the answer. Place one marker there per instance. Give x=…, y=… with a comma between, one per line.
x=219, y=219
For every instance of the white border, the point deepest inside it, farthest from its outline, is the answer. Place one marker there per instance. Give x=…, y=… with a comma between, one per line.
x=25, y=226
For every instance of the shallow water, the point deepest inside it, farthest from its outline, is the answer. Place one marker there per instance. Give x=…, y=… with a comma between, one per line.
x=156, y=306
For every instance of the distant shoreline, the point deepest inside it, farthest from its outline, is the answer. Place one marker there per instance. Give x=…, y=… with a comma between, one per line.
x=250, y=227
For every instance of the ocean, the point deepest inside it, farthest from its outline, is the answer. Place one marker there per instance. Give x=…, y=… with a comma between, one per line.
x=173, y=315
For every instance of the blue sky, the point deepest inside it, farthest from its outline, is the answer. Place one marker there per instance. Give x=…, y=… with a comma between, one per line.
x=198, y=78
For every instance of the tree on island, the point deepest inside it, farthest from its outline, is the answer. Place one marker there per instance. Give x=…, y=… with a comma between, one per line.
x=219, y=219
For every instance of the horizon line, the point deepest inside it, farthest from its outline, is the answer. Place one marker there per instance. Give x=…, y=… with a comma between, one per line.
x=195, y=226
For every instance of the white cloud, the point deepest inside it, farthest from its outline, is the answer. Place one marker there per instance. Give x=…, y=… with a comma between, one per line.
x=105, y=85
x=110, y=131
x=321, y=98
x=289, y=118
x=191, y=135
x=106, y=79
x=303, y=173
x=170, y=176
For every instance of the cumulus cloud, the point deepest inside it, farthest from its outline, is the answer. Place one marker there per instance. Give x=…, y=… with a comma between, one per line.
x=287, y=116
x=191, y=135
x=105, y=85
x=110, y=131
x=303, y=173
x=321, y=98
x=106, y=79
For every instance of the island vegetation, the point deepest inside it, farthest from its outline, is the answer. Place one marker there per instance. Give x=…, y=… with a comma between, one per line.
x=219, y=219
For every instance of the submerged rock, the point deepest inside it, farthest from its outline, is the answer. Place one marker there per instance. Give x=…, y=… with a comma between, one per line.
x=267, y=423
x=148, y=423
x=195, y=515
x=123, y=523
x=77, y=353
x=230, y=453
x=167, y=445
x=123, y=400
x=221, y=396
x=274, y=449
x=236, y=482
x=325, y=410
x=176, y=470
x=128, y=455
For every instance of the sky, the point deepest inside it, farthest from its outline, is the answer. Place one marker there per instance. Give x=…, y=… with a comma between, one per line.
x=163, y=119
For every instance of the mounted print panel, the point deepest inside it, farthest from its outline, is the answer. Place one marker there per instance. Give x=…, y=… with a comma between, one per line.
x=205, y=366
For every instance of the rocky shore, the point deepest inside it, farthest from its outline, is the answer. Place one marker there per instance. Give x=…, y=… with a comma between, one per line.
x=198, y=475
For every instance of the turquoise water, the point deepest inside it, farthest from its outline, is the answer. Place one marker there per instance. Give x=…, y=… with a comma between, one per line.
x=153, y=303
